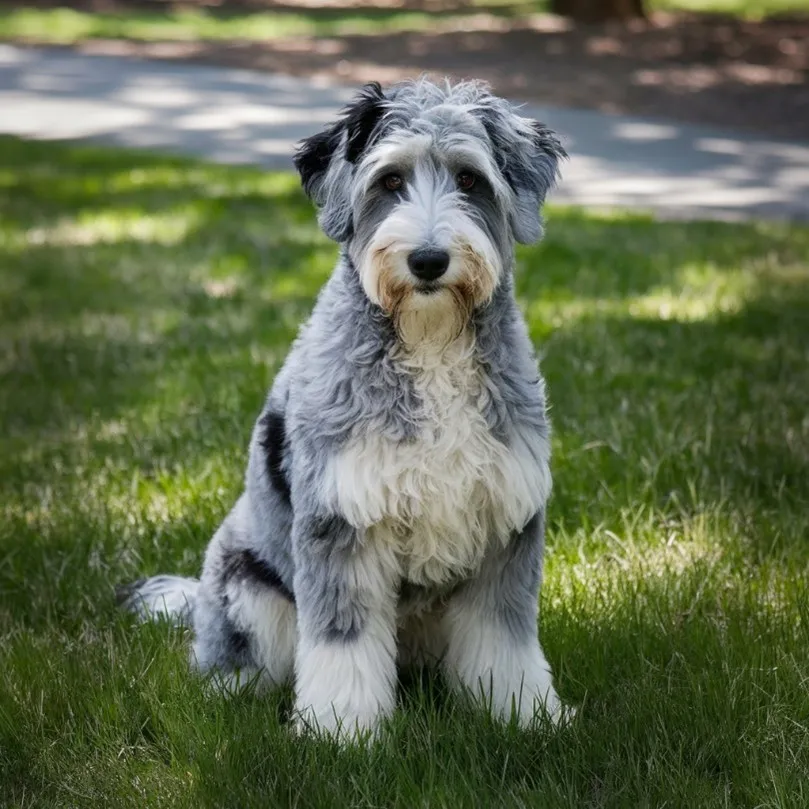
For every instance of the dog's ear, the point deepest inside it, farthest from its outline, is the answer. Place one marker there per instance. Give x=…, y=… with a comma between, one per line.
x=533, y=175
x=326, y=160
x=529, y=154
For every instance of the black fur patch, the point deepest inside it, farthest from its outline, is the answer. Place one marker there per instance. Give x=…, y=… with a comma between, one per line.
x=238, y=643
x=328, y=527
x=359, y=120
x=313, y=156
x=245, y=564
x=274, y=443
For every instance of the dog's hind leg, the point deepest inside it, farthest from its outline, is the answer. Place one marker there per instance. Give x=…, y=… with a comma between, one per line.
x=251, y=638
x=244, y=616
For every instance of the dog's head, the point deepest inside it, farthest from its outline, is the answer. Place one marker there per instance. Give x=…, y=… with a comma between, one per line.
x=428, y=186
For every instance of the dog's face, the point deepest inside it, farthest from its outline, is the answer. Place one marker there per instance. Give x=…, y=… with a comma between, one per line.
x=428, y=187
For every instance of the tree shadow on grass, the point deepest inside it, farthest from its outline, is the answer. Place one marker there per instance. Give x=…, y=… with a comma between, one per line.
x=43, y=183
x=128, y=277
x=153, y=341
x=220, y=245
x=153, y=349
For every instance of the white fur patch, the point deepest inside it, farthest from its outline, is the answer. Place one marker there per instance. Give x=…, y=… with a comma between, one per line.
x=168, y=597
x=510, y=676
x=441, y=498
x=344, y=688
x=271, y=622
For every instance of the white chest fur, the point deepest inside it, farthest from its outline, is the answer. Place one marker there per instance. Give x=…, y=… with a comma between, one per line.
x=443, y=497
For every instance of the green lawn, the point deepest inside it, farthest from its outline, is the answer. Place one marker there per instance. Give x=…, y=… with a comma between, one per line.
x=145, y=304
x=66, y=25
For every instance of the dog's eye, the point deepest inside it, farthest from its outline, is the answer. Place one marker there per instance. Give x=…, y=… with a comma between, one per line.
x=393, y=182
x=466, y=180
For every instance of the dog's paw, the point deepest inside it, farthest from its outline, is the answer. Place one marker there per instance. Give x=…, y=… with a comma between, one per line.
x=541, y=706
x=567, y=714
x=328, y=726
x=546, y=709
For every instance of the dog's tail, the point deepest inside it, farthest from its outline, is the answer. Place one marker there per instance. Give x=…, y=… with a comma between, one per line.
x=169, y=597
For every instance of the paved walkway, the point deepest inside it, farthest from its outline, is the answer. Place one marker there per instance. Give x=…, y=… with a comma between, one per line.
x=240, y=116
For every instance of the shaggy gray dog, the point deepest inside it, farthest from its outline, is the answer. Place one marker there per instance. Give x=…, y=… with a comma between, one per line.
x=394, y=501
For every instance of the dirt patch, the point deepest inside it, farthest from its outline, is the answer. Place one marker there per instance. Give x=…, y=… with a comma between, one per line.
x=700, y=68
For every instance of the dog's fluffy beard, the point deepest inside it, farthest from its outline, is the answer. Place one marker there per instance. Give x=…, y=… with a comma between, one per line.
x=436, y=312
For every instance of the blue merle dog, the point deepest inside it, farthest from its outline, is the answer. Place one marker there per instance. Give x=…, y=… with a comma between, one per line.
x=394, y=502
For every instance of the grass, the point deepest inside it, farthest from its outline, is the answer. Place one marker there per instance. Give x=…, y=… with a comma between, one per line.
x=145, y=304
x=66, y=25
x=750, y=9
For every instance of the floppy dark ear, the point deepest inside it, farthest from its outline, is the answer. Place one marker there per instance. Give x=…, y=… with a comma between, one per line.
x=313, y=156
x=529, y=154
x=533, y=174
x=361, y=119
x=325, y=160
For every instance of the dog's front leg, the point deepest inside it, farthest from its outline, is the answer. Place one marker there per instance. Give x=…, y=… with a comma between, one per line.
x=346, y=596
x=491, y=624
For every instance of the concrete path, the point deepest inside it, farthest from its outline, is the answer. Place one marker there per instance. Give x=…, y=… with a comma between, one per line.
x=241, y=116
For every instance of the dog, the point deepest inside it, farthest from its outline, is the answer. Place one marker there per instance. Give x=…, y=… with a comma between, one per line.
x=394, y=501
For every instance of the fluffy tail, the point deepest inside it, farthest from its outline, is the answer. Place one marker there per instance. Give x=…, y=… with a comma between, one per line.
x=168, y=597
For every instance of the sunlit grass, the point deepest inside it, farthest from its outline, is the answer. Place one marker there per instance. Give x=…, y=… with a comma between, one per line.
x=752, y=9
x=145, y=305
x=68, y=25
x=65, y=25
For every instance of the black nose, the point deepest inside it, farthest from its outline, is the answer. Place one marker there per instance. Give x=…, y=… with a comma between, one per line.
x=428, y=263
